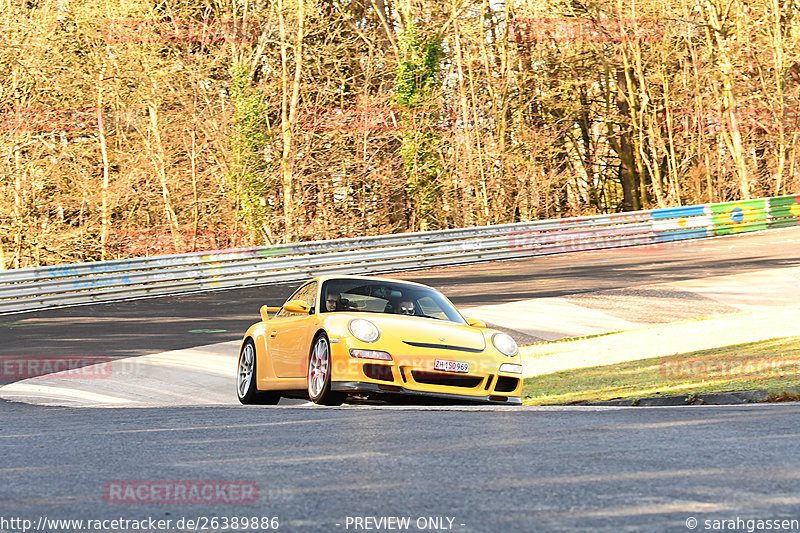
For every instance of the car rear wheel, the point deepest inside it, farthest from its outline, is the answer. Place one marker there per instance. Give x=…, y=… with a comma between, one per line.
x=246, y=389
x=319, y=374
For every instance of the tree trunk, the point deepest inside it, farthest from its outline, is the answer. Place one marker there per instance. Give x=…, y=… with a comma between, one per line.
x=731, y=133
x=105, y=220
x=195, y=202
x=289, y=105
x=627, y=175
x=18, y=210
x=159, y=157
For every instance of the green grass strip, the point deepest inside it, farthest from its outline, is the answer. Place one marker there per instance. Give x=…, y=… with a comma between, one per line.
x=772, y=364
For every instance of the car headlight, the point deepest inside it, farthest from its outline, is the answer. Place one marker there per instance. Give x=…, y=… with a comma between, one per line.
x=364, y=330
x=505, y=344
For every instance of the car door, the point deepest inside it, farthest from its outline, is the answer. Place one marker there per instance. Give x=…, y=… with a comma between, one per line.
x=289, y=337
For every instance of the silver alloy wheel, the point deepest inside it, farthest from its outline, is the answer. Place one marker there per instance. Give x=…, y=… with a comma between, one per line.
x=245, y=369
x=319, y=367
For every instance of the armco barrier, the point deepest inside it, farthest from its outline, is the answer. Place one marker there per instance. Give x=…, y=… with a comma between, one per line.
x=76, y=284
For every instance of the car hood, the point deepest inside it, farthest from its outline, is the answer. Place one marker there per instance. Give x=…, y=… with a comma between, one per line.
x=427, y=332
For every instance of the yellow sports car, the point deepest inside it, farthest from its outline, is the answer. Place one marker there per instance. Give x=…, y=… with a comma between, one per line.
x=342, y=335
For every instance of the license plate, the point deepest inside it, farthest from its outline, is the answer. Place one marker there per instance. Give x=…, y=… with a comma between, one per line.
x=451, y=366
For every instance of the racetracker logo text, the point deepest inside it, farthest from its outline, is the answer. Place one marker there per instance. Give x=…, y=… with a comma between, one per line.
x=730, y=368
x=570, y=29
x=180, y=31
x=71, y=367
x=164, y=491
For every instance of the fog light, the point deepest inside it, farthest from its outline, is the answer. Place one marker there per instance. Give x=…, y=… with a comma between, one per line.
x=370, y=354
x=511, y=367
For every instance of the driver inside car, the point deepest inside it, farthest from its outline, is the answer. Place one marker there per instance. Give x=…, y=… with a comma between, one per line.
x=405, y=307
x=333, y=302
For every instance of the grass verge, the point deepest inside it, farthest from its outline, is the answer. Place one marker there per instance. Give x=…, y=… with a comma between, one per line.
x=772, y=364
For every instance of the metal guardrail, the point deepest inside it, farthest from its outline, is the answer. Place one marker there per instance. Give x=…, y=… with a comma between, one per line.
x=83, y=283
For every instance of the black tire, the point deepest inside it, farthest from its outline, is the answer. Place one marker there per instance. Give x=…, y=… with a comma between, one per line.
x=246, y=389
x=319, y=374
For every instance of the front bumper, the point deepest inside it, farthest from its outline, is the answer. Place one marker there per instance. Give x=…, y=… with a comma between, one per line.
x=412, y=372
x=379, y=389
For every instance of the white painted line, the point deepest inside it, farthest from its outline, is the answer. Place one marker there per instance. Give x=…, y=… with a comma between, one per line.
x=22, y=389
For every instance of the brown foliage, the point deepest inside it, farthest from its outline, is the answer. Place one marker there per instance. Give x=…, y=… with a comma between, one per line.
x=117, y=120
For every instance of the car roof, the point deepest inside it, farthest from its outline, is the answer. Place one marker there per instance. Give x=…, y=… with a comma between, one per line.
x=365, y=278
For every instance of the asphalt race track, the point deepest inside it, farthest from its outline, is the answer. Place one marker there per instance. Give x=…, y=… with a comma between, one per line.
x=500, y=470
x=495, y=469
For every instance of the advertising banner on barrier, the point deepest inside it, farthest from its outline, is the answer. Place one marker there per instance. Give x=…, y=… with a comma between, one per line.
x=679, y=223
x=739, y=217
x=784, y=211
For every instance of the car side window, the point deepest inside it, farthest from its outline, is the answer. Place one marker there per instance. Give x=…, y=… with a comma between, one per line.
x=307, y=293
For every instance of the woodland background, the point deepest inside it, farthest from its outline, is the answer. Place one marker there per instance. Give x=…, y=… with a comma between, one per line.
x=137, y=127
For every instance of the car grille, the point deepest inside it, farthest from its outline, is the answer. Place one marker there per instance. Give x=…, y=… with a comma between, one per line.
x=449, y=380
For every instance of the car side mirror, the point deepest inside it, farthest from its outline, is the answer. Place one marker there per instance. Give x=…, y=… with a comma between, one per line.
x=266, y=310
x=264, y=313
x=297, y=307
x=475, y=323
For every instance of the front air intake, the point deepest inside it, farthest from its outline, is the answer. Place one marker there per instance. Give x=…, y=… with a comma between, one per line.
x=447, y=380
x=506, y=384
x=379, y=372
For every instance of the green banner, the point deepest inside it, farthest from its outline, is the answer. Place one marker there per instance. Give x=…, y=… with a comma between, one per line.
x=784, y=211
x=739, y=217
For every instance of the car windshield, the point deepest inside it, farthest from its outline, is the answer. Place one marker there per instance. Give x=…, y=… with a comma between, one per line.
x=376, y=296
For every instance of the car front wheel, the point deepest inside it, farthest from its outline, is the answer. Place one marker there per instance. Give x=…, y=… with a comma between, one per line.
x=319, y=374
x=246, y=389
